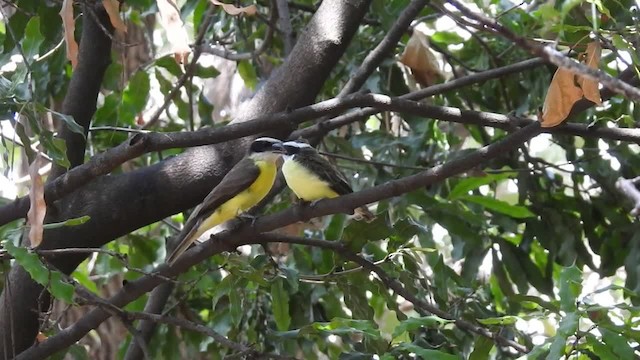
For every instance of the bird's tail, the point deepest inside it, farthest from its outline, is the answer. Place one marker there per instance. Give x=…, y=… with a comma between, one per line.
x=362, y=213
x=184, y=240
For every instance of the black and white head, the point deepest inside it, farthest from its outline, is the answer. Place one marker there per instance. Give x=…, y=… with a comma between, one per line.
x=297, y=147
x=265, y=147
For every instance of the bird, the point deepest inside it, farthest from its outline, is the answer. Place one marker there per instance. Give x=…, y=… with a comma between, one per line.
x=243, y=187
x=311, y=177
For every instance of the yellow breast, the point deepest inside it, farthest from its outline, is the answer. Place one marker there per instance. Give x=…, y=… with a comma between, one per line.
x=304, y=183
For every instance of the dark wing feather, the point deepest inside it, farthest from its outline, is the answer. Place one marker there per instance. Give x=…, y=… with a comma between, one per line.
x=329, y=173
x=237, y=179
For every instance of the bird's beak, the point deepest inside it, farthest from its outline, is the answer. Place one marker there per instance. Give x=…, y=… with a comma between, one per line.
x=278, y=148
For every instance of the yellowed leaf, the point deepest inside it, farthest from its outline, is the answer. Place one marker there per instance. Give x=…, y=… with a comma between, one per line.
x=41, y=337
x=38, y=208
x=174, y=28
x=592, y=60
x=233, y=10
x=69, y=24
x=113, y=10
x=418, y=57
x=562, y=94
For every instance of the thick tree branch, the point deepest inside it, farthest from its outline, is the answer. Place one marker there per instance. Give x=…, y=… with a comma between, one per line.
x=246, y=234
x=391, y=283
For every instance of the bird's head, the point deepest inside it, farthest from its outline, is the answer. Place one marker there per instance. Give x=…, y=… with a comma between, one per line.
x=295, y=147
x=265, y=147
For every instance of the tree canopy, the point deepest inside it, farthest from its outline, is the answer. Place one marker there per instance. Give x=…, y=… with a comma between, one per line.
x=496, y=142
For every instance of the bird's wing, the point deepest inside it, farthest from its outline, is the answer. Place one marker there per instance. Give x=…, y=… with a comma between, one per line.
x=329, y=173
x=239, y=178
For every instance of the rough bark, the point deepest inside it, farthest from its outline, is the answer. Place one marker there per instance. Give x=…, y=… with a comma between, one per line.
x=119, y=204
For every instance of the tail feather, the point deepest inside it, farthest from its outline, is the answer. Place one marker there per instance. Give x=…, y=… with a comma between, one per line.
x=362, y=213
x=184, y=240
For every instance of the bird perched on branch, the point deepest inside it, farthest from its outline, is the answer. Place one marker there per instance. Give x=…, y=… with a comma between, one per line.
x=311, y=177
x=244, y=186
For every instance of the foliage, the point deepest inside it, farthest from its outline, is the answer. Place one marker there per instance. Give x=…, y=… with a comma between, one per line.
x=536, y=246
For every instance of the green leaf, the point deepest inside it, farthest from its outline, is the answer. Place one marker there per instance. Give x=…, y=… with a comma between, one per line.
x=170, y=64
x=134, y=97
x=447, y=37
x=570, y=284
x=67, y=119
x=83, y=278
x=206, y=72
x=501, y=320
x=465, y=185
x=481, y=348
x=248, y=74
x=70, y=222
x=618, y=343
x=427, y=353
x=414, y=323
x=499, y=206
x=292, y=276
x=568, y=327
x=280, y=305
x=32, y=39
x=51, y=279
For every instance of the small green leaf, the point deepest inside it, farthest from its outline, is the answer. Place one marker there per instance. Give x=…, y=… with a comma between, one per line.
x=292, y=277
x=169, y=63
x=570, y=287
x=463, y=186
x=414, y=323
x=84, y=280
x=481, y=348
x=280, y=305
x=67, y=119
x=447, y=37
x=32, y=39
x=248, y=74
x=51, y=279
x=427, y=353
x=499, y=206
x=617, y=343
x=568, y=327
x=70, y=222
x=502, y=320
x=206, y=72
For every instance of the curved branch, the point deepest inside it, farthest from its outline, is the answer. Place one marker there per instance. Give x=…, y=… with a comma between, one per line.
x=246, y=234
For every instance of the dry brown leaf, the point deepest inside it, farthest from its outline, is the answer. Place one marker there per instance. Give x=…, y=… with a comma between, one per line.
x=232, y=10
x=113, y=9
x=174, y=27
x=418, y=57
x=41, y=337
x=562, y=94
x=592, y=59
x=38, y=208
x=69, y=24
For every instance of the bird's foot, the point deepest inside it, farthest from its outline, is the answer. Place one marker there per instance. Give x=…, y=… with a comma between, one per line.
x=247, y=218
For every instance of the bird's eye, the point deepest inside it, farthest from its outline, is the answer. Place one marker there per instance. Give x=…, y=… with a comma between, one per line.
x=290, y=149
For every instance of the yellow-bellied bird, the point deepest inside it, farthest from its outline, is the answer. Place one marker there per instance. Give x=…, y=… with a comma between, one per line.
x=244, y=186
x=311, y=177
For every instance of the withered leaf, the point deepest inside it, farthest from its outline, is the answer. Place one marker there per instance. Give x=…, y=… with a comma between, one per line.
x=38, y=208
x=113, y=10
x=418, y=57
x=592, y=60
x=69, y=25
x=233, y=10
x=563, y=93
